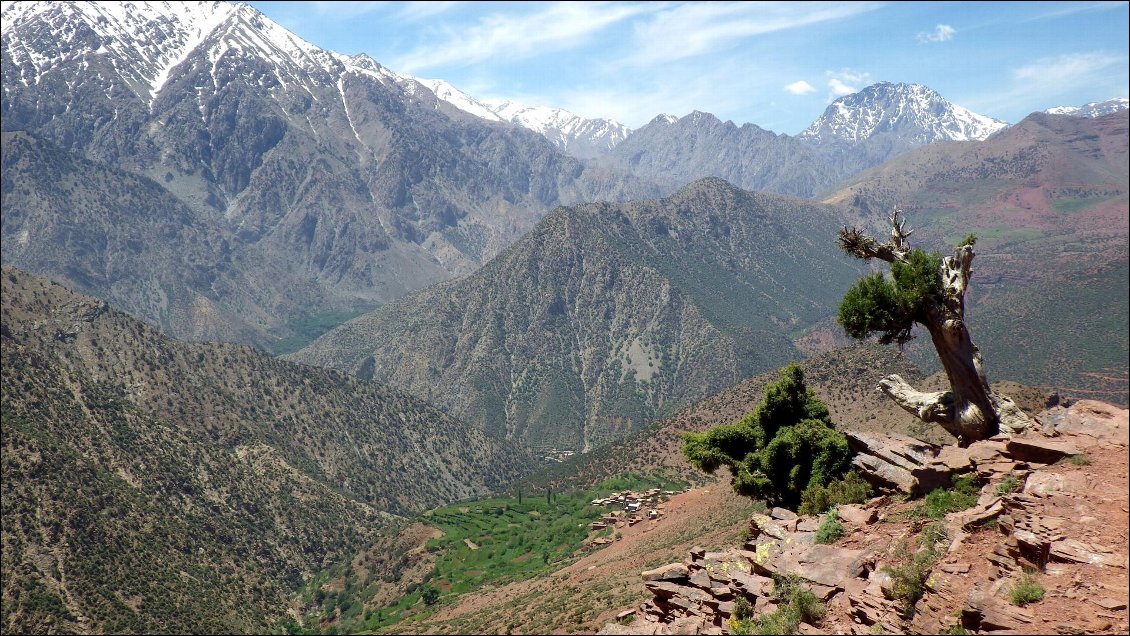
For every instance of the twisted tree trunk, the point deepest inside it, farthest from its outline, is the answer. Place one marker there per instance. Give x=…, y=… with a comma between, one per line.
x=970, y=410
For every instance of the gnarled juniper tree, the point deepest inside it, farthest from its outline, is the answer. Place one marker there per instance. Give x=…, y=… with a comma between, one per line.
x=929, y=290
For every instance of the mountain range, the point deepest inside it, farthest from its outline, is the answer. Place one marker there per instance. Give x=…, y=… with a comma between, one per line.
x=334, y=182
x=311, y=185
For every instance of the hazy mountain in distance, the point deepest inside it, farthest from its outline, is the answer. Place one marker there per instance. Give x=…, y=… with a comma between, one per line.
x=607, y=316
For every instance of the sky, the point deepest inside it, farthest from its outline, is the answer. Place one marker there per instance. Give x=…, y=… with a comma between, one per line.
x=774, y=64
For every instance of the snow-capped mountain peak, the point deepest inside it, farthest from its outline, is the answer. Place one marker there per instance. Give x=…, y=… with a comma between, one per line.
x=1092, y=109
x=143, y=40
x=568, y=131
x=913, y=111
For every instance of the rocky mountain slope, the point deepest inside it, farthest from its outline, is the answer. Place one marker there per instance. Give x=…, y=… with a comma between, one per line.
x=340, y=183
x=151, y=485
x=607, y=316
x=1041, y=550
x=1047, y=199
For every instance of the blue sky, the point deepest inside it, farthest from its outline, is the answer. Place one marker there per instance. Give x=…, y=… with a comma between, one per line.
x=773, y=64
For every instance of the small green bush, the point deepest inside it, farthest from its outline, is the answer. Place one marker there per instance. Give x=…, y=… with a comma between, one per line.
x=797, y=605
x=1078, y=460
x=851, y=489
x=1027, y=590
x=743, y=609
x=909, y=579
x=831, y=530
x=1008, y=485
x=942, y=501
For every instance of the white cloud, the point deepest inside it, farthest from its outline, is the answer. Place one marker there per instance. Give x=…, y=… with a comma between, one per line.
x=695, y=28
x=800, y=88
x=419, y=10
x=560, y=26
x=1073, y=68
x=1054, y=81
x=942, y=33
x=846, y=81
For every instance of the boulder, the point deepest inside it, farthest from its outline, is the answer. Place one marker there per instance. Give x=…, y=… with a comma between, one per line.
x=665, y=590
x=984, y=612
x=752, y=584
x=856, y=514
x=902, y=463
x=1090, y=419
x=669, y=572
x=1039, y=449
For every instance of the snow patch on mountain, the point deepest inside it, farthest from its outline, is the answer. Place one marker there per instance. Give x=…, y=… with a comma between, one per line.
x=563, y=128
x=910, y=110
x=458, y=99
x=1092, y=109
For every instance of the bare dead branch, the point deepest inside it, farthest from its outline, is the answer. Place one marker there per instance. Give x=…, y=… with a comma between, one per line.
x=857, y=243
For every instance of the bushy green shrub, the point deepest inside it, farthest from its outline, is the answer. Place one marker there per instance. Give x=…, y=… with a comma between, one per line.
x=1078, y=460
x=780, y=449
x=743, y=609
x=942, y=501
x=797, y=604
x=1027, y=590
x=850, y=489
x=830, y=530
x=909, y=578
x=1009, y=484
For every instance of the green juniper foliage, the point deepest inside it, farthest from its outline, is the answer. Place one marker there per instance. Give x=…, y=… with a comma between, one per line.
x=850, y=489
x=890, y=307
x=783, y=447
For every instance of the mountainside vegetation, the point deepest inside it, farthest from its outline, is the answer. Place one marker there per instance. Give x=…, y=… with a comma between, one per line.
x=156, y=486
x=608, y=316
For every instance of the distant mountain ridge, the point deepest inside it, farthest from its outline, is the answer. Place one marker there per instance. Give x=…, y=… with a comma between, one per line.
x=1092, y=109
x=914, y=112
x=576, y=135
x=856, y=132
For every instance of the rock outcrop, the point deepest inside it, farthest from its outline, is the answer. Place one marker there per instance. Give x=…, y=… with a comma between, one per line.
x=1063, y=522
